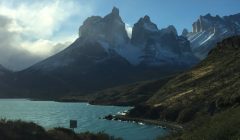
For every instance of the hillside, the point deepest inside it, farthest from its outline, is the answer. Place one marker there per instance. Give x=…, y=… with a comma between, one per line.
x=214, y=83
x=129, y=95
x=205, y=95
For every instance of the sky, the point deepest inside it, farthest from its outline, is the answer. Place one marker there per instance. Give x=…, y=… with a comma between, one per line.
x=32, y=30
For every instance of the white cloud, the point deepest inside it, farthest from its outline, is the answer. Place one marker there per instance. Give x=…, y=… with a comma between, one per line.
x=41, y=19
x=36, y=28
x=129, y=30
x=43, y=47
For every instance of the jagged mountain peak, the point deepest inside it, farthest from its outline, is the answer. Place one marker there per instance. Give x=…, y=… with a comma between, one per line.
x=172, y=29
x=207, y=15
x=185, y=32
x=146, y=18
x=114, y=15
x=208, y=30
x=85, y=30
x=210, y=16
x=207, y=22
x=142, y=29
x=115, y=11
x=110, y=29
x=147, y=23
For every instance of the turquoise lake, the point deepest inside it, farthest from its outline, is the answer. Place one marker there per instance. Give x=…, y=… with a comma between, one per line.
x=51, y=114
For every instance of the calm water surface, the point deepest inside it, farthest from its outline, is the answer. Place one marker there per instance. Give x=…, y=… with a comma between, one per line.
x=51, y=114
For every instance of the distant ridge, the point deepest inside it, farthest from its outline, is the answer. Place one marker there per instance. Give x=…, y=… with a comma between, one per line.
x=208, y=30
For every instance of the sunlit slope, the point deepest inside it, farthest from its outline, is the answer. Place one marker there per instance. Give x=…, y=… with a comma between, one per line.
x=210, y=87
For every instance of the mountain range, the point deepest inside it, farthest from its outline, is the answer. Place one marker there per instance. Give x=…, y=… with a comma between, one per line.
x=103, y=56
x=208, y=30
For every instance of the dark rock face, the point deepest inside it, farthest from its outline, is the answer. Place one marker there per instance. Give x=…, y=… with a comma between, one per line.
x=110, y=28
x=161, y=47
x=205, y=23
x=170, y=30
x=143, y=30
x=208, y=30
x=227, y=46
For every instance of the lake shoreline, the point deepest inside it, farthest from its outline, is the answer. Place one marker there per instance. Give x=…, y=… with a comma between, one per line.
x=170, y=126
x=173, y=127
x=50, y=114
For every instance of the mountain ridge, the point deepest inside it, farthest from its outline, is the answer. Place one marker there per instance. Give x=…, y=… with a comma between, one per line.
x=103, y=57
x=208, y=30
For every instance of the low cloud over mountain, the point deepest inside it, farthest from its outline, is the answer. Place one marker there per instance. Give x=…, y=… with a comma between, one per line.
x=29, y=31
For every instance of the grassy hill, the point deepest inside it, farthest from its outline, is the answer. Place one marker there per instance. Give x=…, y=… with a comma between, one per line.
x=205, y=100
x=129, y=95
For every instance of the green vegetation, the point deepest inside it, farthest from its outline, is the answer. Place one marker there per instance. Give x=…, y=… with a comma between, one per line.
x=19, y=130
x=129, y=95
x=223, y=126
x=209, y=88
x=204, y=100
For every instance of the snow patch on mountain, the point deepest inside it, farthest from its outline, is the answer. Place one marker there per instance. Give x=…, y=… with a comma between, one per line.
x=105, y=45
x=131, y=53
x=209, y=37
x=208, y=30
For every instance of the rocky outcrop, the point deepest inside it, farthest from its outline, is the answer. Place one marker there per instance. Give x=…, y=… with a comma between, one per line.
x=110, y=28
x=208, y=30
x=161, y=47
x=143, y=30
x=206, y=23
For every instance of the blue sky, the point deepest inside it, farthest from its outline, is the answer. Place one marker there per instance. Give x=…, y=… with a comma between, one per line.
x=181, y=13
x=41, y=28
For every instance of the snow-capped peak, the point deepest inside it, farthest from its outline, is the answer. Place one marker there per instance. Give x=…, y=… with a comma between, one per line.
x=208, y=30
